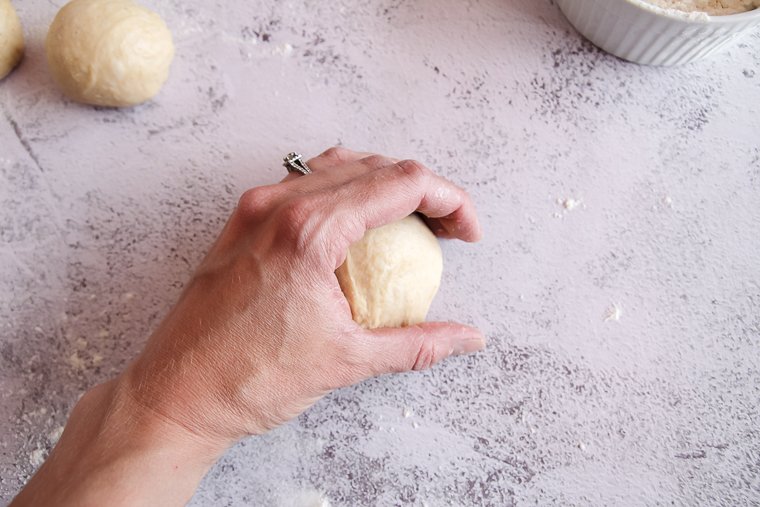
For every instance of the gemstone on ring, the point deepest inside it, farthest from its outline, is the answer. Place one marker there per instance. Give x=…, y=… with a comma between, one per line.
x=294, y=163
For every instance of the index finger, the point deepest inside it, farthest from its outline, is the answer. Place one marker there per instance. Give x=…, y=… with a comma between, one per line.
x=390, y=194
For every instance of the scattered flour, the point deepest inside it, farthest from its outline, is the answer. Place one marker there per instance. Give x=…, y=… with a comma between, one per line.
x=283, y=50
x=697, y=9
x=37, y=457
x=55, y=435
x=570, y=204
x=613, y=313
x=77, y=362
x=307, y=498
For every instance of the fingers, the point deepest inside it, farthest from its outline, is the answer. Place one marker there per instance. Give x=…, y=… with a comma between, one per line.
x=393, y=192
x=328, y=159
x=394, y=350
x=337, y=166
x=435, y=225
x=335, y=156
x=351, y=192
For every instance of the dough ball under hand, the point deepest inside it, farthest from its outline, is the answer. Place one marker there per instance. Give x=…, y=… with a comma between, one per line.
x=109, y=52
x=11, y=38
x=392, y=274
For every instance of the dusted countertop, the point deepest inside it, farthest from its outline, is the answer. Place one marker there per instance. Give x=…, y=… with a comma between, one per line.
x=618, y=281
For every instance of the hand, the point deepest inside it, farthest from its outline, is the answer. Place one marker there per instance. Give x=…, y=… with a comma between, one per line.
x=263, y=330
x=260, y=333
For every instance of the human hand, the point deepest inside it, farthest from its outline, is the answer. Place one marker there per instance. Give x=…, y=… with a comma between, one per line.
x=260, y=333
x=263, y=330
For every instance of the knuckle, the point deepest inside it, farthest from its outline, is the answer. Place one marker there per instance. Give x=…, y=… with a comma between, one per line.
x=426, y=350
x=375, y=161
x=414, y=171
x=336, y=153
x=254, y=201
x=425, y=356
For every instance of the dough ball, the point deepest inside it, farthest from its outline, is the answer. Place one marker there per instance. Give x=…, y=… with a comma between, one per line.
x=11, y=38
x=391, y=275
x=109, y=52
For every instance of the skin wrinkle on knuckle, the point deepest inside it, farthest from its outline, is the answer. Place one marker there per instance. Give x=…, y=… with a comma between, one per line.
x=445, y=198
x=376, y=161
x=424, y=349
x=426, y=356
x=411, y=178
x=414, y=171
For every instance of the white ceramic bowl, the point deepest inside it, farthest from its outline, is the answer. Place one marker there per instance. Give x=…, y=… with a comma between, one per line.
x=634, y=31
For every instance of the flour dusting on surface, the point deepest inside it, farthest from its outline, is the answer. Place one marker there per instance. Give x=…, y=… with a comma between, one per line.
x=570, y=204
x=37, y=457
x=613, y=313
x=307, y=498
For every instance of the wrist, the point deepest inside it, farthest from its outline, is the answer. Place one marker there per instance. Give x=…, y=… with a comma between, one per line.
x=114, y=451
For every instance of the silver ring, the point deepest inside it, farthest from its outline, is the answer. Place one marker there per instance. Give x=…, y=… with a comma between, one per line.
x=294, y=164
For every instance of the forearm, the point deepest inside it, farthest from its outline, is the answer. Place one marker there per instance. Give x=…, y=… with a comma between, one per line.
x=114, y=452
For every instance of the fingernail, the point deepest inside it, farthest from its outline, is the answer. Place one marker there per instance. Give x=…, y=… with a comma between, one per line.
x=468, y=345
x=479, y=232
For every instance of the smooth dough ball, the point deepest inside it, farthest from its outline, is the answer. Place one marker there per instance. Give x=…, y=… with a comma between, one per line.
x=109, y=52
x=391, y=275
x=11, y=38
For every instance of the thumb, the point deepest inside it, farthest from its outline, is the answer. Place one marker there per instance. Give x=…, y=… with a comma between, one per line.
x=418, y=347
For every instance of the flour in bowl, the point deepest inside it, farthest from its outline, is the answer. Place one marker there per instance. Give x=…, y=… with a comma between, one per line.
x=711, y=7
